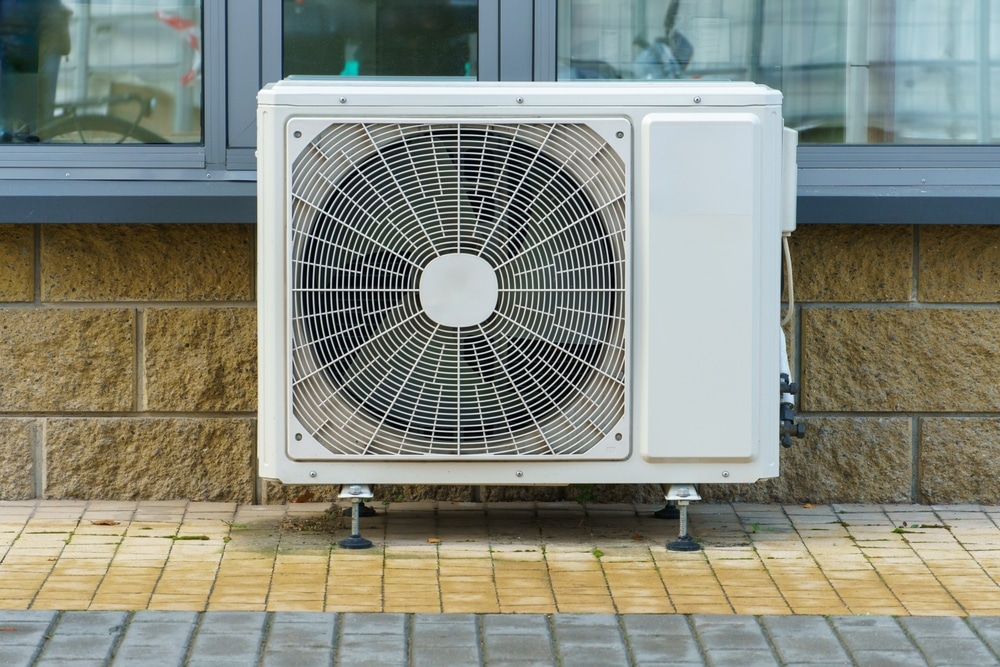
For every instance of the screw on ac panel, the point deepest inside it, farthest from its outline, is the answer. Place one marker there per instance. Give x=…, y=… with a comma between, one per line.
x=298, y=436
x=697, y=100
x=312, y=473
x=618, y=436
x=297, y=134
x=520, y=100
x=519, y=473
x=619, y=134
x=725, y=473
x=343, y=100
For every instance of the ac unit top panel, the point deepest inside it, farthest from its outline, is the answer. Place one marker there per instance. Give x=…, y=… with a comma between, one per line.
x=326, y=92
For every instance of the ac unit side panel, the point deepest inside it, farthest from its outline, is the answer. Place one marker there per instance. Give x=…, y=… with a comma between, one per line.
x=699, y=318
x=271, y=293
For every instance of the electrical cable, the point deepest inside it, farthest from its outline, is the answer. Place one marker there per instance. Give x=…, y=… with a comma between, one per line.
x=788, y=274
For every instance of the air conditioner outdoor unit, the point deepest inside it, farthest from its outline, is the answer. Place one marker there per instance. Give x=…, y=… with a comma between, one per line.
x=520, y=283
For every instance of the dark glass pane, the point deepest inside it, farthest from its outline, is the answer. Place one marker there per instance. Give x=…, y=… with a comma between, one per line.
x=428, y=38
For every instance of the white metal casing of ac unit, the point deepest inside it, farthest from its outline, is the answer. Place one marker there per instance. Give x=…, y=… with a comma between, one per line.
x=701, y=206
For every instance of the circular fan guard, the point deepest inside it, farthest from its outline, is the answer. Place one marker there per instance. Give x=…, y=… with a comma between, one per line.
x=542, y=204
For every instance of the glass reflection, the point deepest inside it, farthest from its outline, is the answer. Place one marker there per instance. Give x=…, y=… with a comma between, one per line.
x=423, y=38
x=100, y=71
x=852, y=71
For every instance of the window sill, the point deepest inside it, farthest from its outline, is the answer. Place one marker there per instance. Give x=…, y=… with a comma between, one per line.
x=105, y=201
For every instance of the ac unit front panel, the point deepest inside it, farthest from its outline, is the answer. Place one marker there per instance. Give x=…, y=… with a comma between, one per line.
x=700, y=299
x=459, y=288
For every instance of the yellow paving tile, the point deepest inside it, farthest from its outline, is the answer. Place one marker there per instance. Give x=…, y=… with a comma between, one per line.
x=802, y=561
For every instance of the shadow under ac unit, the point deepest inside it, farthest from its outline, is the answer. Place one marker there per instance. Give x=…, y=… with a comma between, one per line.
x=471, y=283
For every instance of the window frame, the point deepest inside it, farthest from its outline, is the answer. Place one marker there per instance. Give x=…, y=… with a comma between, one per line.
x=216, y=181
x=143, y=183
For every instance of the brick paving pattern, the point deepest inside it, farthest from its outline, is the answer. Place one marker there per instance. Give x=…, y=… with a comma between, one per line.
x=505, y=558
x=184, y=583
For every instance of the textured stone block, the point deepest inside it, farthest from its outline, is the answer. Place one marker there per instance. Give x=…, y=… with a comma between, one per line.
x=150, y=459
x=147, y=262
x=959, y=263
x=841, y=459
x=845, y=263
x=17, y=263
x=200, y=359
x=17, y=479
x=67, y=360
x=900, y=359
x=959, y=460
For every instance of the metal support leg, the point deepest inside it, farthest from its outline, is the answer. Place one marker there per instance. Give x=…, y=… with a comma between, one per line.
x=355, y=492
x=683, y=494
x=363, y=510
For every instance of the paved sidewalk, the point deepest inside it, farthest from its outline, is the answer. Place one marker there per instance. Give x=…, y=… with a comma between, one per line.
x=181, y=583
x=296, y=639
x=501, y=558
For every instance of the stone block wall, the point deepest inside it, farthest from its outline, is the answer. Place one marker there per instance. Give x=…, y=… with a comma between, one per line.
x=897, y=344
x=128, y=361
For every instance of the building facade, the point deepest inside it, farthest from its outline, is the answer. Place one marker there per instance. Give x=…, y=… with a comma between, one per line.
x=127, y=223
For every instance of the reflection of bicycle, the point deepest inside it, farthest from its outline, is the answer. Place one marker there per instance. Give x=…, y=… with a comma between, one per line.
x=73, y=127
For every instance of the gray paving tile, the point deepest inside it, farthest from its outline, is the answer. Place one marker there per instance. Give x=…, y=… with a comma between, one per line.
x=515, y=623
x=158, y=635
x=741, y=658
x=871, y=633
x=22, y=633
x=295, y=630
x=70, y=662
x=237, y=646
x=655, y=624
x=804, y=640
x=910, y=658
x=371, y=649
x=159, y=617
x=987, y=627
x=463, y=655
x=589, y=639
x=297, y=657
x=657, y=639
x=8, y=616
x=372, y=624
x=91, y=622
x=141, y=656
x=232, y=622
x=653, y=649
x=17, y=655
x=435, y=631
x=517, y=639
x=948, y=640
x=78, y=647
x=729, y=632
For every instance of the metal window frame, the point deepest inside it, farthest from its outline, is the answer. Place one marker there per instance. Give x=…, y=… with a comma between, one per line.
x=145, y=183
x=216, y=182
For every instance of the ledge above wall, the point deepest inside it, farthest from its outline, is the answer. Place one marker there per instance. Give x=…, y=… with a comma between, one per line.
x=122, y=201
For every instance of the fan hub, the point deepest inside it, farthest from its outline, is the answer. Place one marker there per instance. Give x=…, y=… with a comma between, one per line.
x=458, y=290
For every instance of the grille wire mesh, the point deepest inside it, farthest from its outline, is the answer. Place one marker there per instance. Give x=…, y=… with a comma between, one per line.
x=372, y=204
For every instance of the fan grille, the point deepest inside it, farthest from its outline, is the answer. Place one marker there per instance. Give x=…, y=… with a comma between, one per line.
x=526, y=355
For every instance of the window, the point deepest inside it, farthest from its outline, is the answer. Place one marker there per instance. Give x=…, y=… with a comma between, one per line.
x=100, y=71
x=852, y=71
x=380, y=37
